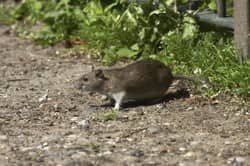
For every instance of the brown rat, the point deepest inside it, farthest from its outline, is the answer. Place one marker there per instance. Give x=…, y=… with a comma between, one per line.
x=140, y=80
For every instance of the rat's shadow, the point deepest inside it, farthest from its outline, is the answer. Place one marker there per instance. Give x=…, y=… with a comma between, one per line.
x=182, y=93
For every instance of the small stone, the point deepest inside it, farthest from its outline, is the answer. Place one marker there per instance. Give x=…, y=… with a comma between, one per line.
x=111, y=142
x=84, y=124
x=237, y=114
x=123, y=150
x=104, y=98
x=159, y=106
x=45, y=144
x=194, y=143
x=129, y=139
x=189, y=154
x=240, y=159
x=78, y=155
x=137, y=153
x=74, y=119
x=166, y=124
x=230, y=160
x=182, y=149
x=24, y=149
x=3, y=138
x=227, y=142
x=107, y=153
x=215, y=102
x=72, y=137
x=234, y=160
x=43, y=98
x=51, y=139
x=153, y=130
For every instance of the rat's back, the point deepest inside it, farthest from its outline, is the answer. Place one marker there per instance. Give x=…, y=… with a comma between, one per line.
x=145, y=79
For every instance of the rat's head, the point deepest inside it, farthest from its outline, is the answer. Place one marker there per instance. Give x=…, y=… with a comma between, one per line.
x=92, y=81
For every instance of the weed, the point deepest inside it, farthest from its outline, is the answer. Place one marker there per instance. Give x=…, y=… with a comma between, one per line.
x=118, y=30
x=5, y=15
x=110, y=115
x=95, y=147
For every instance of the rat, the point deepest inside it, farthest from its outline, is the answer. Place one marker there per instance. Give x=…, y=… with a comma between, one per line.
x=143, y=79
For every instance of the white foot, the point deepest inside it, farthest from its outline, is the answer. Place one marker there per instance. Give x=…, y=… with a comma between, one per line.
x=118, y=97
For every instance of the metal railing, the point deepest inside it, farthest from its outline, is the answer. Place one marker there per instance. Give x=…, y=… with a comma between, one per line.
x=239, y=24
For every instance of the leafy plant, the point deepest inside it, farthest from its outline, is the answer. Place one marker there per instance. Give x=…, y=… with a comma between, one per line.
x=29, y=9
x=5, y=15
x=110, y=115
x=122, y=29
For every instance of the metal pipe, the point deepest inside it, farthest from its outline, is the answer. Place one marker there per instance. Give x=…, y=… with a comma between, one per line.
x=221, y=8
x=212, y=19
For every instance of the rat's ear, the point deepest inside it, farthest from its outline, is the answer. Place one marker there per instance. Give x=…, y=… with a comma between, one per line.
x=99, y=74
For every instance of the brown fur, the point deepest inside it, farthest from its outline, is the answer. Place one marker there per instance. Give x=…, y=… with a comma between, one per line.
x=141, y=80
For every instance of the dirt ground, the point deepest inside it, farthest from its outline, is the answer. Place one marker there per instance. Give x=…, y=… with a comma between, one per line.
x=45, y=121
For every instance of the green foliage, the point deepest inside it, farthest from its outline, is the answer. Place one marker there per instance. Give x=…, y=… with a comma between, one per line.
x=211, y=56
x=5, y=15
x=110, y=115
x=29, y=9
x=211, y=4
x=122, y=29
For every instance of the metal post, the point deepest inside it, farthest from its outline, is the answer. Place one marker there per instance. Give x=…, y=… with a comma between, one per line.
x=242, y=27
x=221, y=8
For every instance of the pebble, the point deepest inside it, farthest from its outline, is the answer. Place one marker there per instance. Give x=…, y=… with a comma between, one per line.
x=74, y=119
x=153, y=130
x=159, y=106
x=166, y=124
x=78, y=155
x=43, y=98
x=111, y=142
x=84, y=124
x=237, y=114
x=107, y=153
x=51, y=138
x=72, y=137
x=3, y=138
x=129, y=139
x=137, y=153
x=189, y=154
x=104, y=98
x=238, y=160
x=194, y=143
x=82, y=141
x=182, y=149
x=24, y=149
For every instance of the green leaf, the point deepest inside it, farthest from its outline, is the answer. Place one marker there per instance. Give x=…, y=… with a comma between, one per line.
x=135, y=47
x=190, y=28
x=125, y=52
x=212, y=5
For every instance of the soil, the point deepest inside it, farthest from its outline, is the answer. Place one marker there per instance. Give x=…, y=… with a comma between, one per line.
x=44, y=120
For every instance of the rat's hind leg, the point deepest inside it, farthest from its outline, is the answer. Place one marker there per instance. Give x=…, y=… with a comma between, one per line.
x=118, y=97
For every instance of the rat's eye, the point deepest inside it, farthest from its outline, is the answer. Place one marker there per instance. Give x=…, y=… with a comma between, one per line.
x=85, y=79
